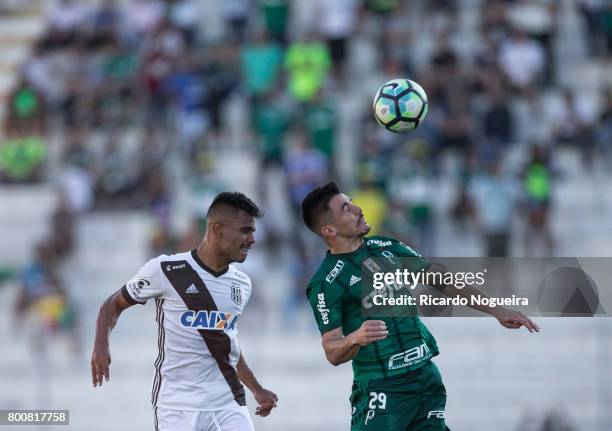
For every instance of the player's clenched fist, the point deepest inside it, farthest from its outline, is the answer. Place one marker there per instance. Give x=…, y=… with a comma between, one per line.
x=371, y=331
x=266, y=400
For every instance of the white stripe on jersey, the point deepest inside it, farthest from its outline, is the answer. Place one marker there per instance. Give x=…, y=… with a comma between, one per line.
x=197, y=338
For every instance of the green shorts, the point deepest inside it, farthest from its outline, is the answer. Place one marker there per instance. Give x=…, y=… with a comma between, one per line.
x=413, y=401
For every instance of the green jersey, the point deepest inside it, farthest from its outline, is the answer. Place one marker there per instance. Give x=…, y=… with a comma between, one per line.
x=335, y=296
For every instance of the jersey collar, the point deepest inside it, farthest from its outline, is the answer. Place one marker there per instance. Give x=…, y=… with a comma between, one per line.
x=361, y=248
x=205, y=267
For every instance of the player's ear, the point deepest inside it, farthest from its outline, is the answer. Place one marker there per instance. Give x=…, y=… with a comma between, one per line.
x=328, y=231
x=217, y=228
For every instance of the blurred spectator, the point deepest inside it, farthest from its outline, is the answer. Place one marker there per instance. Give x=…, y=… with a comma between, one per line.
x=21, y=158
x=538, y=20
x=537, y=179
x=39, y=72
x=119, y=70
x=185, y=15
x=26, y=113
x=321, y=122
x=497, y=120
x=276, y=18
x=42, y=293
x=116, y=182
x=461, y=209
x=608, y=29
x=522, y=59
x=236, y=14
x=572, y=126
x=76, y=180
x=336, y=20
x=486, y=67
x=76, y=183
x=382, y=7
x=158, y=198
x=594, y=13
x=188, y=89
x=397, y=225
x=272, y=120
x=64, y=18
x=62, y=228
x=106, y=22
x=374, y=202
x=604, y=133
x=305, y=167
x=493, y=195
x=374, y=162
x=261, y=63
x=413, y=190
x=397, y=51
x=221, y=76
x=456, y=126
x=308, y=63
x=154, y=70
x=153, y=152
x=142, y=17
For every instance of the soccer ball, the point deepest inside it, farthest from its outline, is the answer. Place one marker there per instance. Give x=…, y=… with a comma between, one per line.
x=400, y=105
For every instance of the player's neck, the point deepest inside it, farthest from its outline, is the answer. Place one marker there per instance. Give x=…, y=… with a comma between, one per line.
x=345, y=245
x=211, y=258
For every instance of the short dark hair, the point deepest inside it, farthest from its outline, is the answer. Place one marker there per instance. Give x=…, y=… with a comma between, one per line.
x=316, y=203
x=235, y=200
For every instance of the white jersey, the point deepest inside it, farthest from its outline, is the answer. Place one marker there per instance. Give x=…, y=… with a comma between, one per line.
x=197, y=314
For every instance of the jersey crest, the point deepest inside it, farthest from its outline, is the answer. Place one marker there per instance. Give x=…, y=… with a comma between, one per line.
x=236, y=294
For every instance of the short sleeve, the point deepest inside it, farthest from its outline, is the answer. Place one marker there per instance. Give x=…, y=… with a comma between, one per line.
x=326, y=302
x=146, y=284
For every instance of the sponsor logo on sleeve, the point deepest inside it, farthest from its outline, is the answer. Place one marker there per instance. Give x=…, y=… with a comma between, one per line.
x=322, y=307
x=334, y=272
x=135, y=286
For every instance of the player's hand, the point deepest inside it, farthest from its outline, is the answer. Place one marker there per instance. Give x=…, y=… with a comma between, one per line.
x=100, y=363
x=514, y=319
x=266, y=401
x=371, y=331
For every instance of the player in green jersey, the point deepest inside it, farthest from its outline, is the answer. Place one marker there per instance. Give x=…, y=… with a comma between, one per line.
x=396, y=385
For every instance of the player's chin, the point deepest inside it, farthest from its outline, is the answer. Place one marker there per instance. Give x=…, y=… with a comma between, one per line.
x=364, y=228
x=241, y=256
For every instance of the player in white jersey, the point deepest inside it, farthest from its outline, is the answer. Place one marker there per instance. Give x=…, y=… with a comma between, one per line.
x=199, y=298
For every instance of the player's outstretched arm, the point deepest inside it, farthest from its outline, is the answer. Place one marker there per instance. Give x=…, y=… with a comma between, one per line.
x=340, y=349
x=107, y=318
x=508, y=318
x=266, y=399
